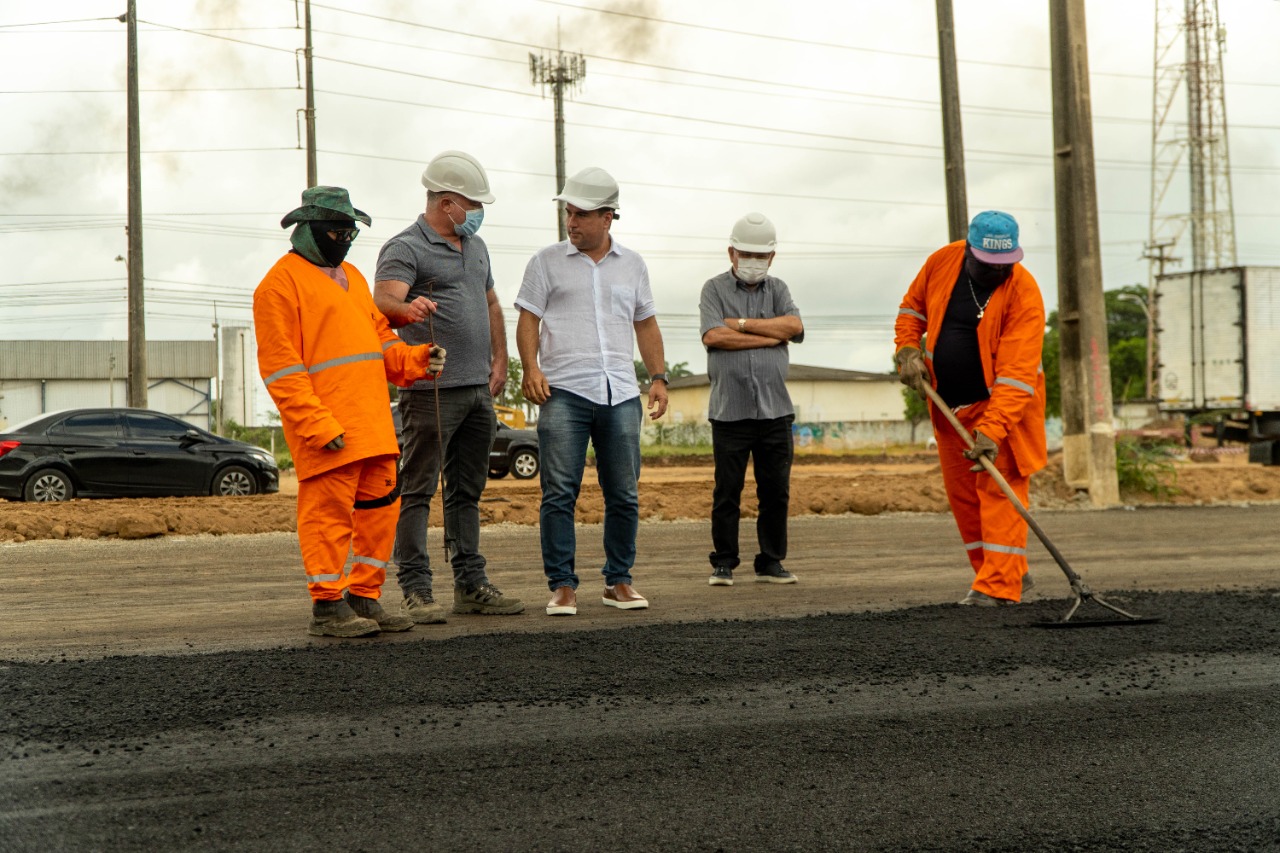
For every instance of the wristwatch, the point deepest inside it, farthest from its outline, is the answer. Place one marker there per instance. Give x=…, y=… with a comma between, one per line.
x=742, y=324
x=659, y=377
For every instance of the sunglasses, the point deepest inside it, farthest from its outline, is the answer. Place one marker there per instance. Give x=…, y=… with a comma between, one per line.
x=343, y=235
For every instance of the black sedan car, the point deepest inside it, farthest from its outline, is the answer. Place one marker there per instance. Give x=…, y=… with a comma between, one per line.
x=514, y=451
x=126, y=453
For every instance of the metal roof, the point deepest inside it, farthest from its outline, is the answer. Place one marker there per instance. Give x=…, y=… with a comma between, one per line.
x=105, y=359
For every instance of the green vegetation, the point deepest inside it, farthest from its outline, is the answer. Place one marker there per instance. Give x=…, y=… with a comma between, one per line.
x=1126, y=342
x=267, y=437
x=1146, y=467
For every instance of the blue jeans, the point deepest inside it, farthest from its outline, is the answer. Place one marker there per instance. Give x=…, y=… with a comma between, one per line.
x=565, y=424
x=467, y=428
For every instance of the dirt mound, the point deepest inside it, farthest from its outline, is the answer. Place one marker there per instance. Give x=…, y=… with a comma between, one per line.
x=670, y=489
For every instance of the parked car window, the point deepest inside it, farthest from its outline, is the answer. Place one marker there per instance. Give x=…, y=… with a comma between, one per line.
x=91, y=425
x=152, y=426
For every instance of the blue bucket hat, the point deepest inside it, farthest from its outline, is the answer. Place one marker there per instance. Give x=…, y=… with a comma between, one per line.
x=993, y=238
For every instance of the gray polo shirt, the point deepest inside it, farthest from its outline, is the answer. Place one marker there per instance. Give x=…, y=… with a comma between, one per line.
x=747, y=384
x=459, y=281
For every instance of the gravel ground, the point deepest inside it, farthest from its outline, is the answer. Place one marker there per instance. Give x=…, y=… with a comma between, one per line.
x=928, y=728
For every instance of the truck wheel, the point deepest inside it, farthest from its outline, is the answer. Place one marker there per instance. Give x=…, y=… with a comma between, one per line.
x=47, y=485
x=234, y=481
x=524, y=465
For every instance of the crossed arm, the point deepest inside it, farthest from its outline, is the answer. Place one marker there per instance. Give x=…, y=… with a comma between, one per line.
x=769, y=332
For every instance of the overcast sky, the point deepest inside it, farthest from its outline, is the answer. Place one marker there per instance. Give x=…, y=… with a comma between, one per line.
x=822, y=115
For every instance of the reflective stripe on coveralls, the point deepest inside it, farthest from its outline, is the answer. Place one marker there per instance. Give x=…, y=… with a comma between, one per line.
x=330, y=527
x=995, y=535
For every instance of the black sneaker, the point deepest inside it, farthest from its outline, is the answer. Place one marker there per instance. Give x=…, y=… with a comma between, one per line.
x=721, y=576
x=775, y=574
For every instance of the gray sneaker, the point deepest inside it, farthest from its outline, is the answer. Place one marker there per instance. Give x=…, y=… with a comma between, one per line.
x=421, y=607
x=369, y=608
x=337, y=619
x=485, y=599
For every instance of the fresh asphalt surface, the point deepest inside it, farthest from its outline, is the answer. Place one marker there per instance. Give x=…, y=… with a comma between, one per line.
x=855, y=727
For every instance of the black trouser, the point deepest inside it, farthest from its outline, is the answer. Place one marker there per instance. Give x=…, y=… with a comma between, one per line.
x=768, y=443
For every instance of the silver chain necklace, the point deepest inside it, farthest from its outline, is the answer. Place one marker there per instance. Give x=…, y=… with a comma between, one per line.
x=982, y=306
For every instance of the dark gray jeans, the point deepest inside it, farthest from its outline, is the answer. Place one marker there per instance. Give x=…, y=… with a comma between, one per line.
x=467, y=427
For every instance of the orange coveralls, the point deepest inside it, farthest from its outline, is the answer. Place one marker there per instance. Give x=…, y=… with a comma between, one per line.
x=326, y=355
x=1010, y=337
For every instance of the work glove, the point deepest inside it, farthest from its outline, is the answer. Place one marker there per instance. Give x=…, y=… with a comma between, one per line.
x=911, y=369
x=982, y=446
x=436, y=358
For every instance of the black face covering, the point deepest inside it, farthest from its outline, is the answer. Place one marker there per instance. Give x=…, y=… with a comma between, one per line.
x=986, y=276
x=333, y=251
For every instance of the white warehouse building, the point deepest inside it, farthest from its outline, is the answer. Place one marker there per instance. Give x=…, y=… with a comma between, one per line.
x=46, y=376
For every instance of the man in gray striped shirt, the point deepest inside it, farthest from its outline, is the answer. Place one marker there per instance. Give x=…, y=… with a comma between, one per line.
x=748, y=320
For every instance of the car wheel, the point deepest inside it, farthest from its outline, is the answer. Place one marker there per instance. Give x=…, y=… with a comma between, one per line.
x=497, y=473
x=524, y=465
x=234, y=481
x=49, y=484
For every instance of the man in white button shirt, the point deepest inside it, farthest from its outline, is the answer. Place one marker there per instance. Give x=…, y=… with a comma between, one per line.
x=580, y=303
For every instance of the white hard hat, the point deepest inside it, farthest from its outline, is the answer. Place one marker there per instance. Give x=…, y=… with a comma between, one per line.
x=754, y=233
x=458, y=172
x=591, y=189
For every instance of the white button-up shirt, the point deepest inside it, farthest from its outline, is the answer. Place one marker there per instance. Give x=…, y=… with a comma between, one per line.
x=588, y=311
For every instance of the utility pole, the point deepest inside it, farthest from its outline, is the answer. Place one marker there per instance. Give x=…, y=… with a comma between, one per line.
x=1154, y=252
x=137, y=314
x=1088, y=443
x=310, y=112
x=558, y=71
x=952, y=137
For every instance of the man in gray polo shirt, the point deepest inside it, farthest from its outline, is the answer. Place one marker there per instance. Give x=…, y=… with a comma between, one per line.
x=440, y=257
x=748, y=319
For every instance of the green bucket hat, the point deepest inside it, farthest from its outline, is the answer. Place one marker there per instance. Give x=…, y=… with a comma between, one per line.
x=324, y=203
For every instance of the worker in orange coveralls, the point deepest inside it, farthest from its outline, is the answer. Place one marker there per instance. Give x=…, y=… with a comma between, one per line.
x=326, y=354
x=972, y=323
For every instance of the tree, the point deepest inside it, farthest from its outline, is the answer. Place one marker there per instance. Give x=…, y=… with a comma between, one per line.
x=1126, y=345
x=512, y=394
x=673, y=372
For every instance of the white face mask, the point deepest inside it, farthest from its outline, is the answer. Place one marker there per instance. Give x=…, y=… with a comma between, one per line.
x=752, y=270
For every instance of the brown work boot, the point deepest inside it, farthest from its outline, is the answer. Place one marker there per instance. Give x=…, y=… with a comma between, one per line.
x=564, y=602
x=421, y=607
x=624, y=597
x=485, y=599
x=337, y=619
x=981, y=599
x=369, y=608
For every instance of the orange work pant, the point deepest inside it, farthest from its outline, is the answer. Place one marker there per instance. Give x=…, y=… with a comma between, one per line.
x=330, y=526
x=994, y=534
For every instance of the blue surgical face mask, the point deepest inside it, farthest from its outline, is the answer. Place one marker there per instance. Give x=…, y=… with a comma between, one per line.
x=471, y=224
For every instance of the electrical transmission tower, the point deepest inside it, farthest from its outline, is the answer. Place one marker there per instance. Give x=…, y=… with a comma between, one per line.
x=558, y=70
x=1189, y=43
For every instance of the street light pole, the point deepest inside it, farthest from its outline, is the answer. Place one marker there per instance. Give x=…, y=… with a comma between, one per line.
x=1142, y=303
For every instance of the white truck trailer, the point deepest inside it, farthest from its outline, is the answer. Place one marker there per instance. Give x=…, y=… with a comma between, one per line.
x=1218, y=344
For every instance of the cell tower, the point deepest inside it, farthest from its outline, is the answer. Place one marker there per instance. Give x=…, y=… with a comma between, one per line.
x=558, y=70
x=1193, y=26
